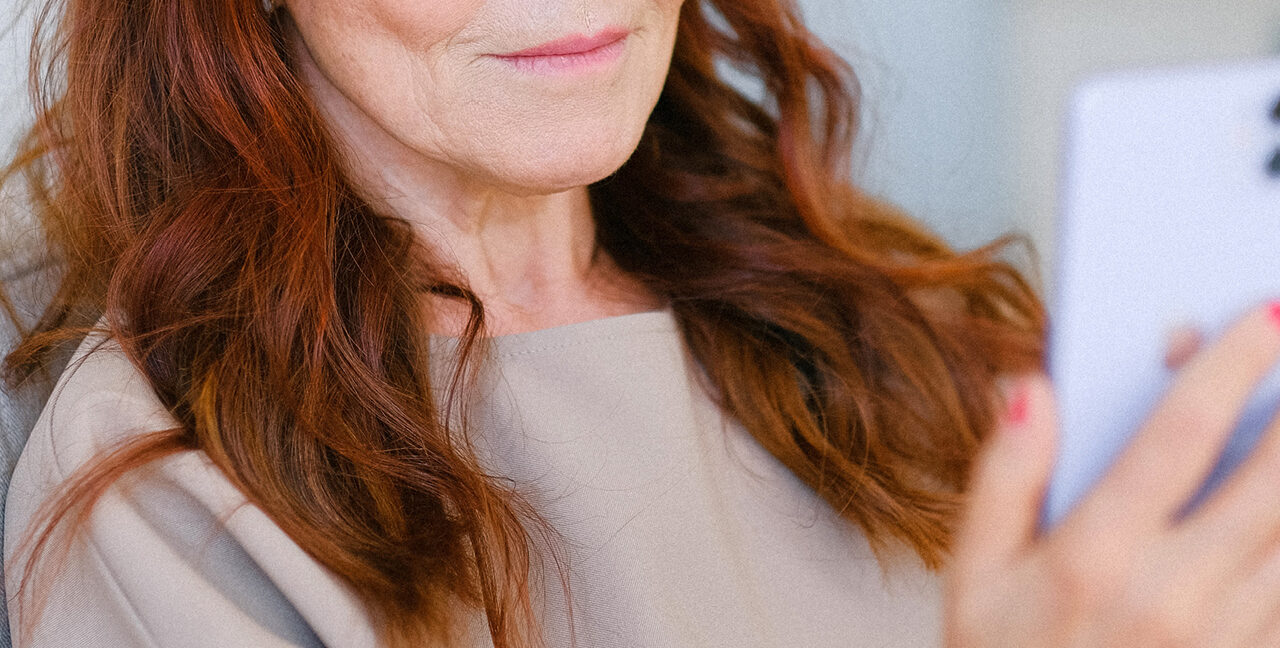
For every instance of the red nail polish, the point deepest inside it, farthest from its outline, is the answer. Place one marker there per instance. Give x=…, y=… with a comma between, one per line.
x=1274, y=311
x=1019, y=408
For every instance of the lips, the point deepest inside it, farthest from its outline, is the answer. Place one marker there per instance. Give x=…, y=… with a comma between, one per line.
x=575, y=45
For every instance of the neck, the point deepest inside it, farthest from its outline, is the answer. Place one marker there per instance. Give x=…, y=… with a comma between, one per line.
x=530, y=256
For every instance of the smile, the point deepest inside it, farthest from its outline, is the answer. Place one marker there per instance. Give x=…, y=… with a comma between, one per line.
x=572, y=54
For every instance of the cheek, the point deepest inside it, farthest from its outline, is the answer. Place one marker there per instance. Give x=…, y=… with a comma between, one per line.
x=358, y=44
x=428, y=22
x=380, y=54
x=355, y=21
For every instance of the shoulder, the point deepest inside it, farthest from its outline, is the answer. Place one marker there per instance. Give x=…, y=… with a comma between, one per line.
x=100, y=401
x=173, y=553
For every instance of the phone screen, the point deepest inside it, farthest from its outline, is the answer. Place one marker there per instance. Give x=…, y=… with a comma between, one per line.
x=1170, y=217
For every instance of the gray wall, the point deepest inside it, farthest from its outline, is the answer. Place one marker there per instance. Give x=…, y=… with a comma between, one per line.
x=1058, y=43
x=965, y=98
x=15, y=23
x=935, y=141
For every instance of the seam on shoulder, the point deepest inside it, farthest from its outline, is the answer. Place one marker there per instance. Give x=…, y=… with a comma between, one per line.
x=113, y=399
x=114, y=583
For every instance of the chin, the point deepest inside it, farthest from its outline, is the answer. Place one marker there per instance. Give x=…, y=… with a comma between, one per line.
x=555, y=167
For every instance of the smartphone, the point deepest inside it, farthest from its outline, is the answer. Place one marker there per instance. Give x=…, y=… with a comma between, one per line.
x=1170, y=216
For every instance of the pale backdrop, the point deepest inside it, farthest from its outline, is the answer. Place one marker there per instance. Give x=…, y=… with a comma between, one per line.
x=966, y=96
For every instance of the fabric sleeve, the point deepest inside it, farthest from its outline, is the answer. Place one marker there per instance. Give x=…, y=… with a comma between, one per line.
x=171, y=555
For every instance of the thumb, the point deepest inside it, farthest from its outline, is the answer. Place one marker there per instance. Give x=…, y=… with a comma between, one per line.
x=1009, y=480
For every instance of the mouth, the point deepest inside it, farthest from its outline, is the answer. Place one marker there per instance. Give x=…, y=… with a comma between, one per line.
x=576, y=52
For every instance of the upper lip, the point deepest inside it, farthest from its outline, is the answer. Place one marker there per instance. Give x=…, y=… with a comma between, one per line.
x=575, y=44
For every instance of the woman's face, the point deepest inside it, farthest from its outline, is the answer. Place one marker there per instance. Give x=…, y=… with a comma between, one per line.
x=483, y=86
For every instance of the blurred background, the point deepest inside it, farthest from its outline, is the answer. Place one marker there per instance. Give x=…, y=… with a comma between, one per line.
x=963, y=98
x=16, y=19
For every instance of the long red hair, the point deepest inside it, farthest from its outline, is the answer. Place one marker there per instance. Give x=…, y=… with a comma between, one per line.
x=196, y=200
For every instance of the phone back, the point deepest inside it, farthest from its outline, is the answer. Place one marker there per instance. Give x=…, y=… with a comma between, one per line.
x=1170, y=216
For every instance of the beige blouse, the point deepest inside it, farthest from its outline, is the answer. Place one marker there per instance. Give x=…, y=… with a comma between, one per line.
x=679, y=529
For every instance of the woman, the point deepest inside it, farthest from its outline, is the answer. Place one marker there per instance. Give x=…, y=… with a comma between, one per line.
x=505, y=322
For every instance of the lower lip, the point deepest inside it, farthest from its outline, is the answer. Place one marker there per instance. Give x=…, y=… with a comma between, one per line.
x=568, y=63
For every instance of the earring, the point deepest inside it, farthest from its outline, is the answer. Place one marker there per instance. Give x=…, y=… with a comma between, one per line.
x=269, y=6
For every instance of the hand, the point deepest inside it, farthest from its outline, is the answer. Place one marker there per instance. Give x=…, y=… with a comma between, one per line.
x=1122, y=569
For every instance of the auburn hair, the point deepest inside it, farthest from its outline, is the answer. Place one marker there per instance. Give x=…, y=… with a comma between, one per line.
x=196, y=202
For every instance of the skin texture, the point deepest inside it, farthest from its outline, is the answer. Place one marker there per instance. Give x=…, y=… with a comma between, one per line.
x=491, y=162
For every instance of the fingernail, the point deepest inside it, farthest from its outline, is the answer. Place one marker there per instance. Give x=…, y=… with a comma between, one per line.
x=1018, y=409
x=1274, y=311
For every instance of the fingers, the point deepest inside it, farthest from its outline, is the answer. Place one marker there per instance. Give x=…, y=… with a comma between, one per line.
x=1250, y=615
x=1181, y=346
x=1242, y=518
x=1177, y=447
x=1009, y=481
